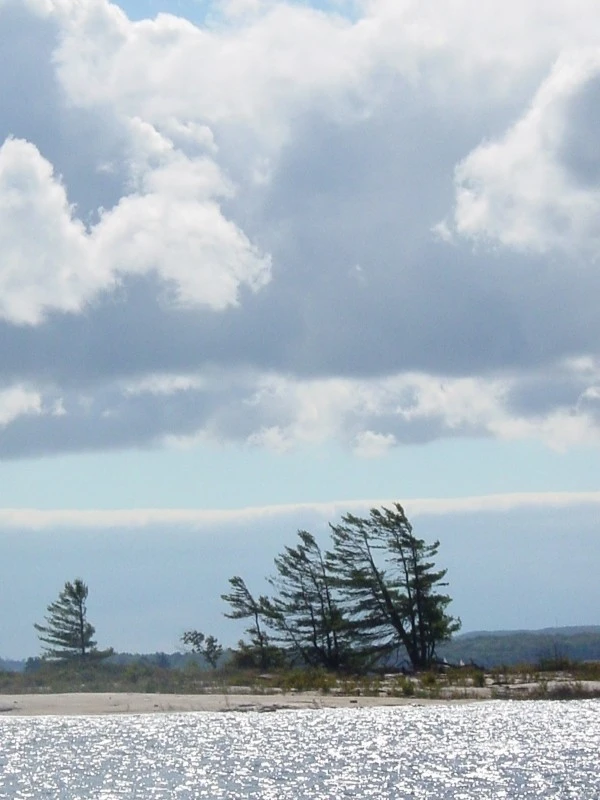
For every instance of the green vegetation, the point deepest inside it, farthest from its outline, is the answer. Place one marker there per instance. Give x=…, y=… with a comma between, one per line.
x=47, y=676
x=389, y=587
x=526, y=682
x=339, y=621
x=259, y=652
x=67, y=633
x=374, y=595
x=303, y=613
x=207, y=646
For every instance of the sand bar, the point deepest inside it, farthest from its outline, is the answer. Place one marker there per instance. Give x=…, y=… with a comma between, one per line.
x=84, y=703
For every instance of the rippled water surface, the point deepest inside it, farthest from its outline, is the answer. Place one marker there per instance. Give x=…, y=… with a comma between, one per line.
x=485, y=750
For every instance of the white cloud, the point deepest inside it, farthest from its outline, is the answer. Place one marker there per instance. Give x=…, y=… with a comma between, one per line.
x=368, y=417
x=560, y=430
x=519, y=191
x=164, y=384
x=16, y=402
x=481, y=37
x=173, y=228
x=372, y=416
x=235, y=9
x=172, y=223
x=459, y=402
x=45, y=263
x=143, y=69
x=271, y=438
x=189, y=244
x=225, y=155
x=38, y=519
x=369, y=444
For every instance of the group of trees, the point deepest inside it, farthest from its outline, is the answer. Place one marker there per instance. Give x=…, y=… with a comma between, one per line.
x=375, y=596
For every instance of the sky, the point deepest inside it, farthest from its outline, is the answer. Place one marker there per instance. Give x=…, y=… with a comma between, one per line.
x=265, y=262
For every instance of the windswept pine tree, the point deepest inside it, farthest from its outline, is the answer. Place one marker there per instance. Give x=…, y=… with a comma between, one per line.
x=375, y=596
x=389, y=586
x=67, y=634
x=245, y=606
x=303, y=612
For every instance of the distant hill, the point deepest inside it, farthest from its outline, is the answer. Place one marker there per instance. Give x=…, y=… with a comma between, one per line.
x=495, y=648
x=562, y=631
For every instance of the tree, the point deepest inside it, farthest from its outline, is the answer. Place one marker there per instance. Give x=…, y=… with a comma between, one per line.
x=208, y=646
x=67, y=634
x=389, y=586
x=212, y=651
x=245, y=606
x=304, y=613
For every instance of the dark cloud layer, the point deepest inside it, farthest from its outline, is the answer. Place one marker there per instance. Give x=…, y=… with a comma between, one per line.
x=580, y=147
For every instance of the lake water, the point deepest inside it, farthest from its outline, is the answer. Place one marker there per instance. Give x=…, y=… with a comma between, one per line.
x=482, y=751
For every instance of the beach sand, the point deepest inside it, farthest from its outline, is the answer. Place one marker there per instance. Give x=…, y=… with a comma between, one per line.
x=72, y=704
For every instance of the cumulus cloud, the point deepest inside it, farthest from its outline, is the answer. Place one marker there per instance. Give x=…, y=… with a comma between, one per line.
x=44, y=259
x=538, y=187
x=17, y=401
x=237, y=224
x=172, y=226
x=373, y=445
x=368, y=417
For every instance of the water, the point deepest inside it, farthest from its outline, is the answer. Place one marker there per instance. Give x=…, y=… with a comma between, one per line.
x=485, y=750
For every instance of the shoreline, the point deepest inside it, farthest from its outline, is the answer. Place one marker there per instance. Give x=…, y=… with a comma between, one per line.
x=101, y=703
x=243, y=699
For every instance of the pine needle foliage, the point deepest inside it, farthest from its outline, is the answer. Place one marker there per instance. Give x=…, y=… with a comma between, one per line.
x=303, y=612
x=389, y=585
x=67, y=634
x=375, y=598
x=245, y=606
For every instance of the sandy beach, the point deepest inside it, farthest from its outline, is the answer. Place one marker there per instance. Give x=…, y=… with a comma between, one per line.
x=72, y=704
x=240, y=698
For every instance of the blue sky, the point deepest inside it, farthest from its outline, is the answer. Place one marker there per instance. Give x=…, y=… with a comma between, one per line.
x=194, y=10
x=280, y=258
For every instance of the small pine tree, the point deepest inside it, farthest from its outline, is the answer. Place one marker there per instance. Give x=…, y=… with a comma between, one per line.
x=67, y=634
